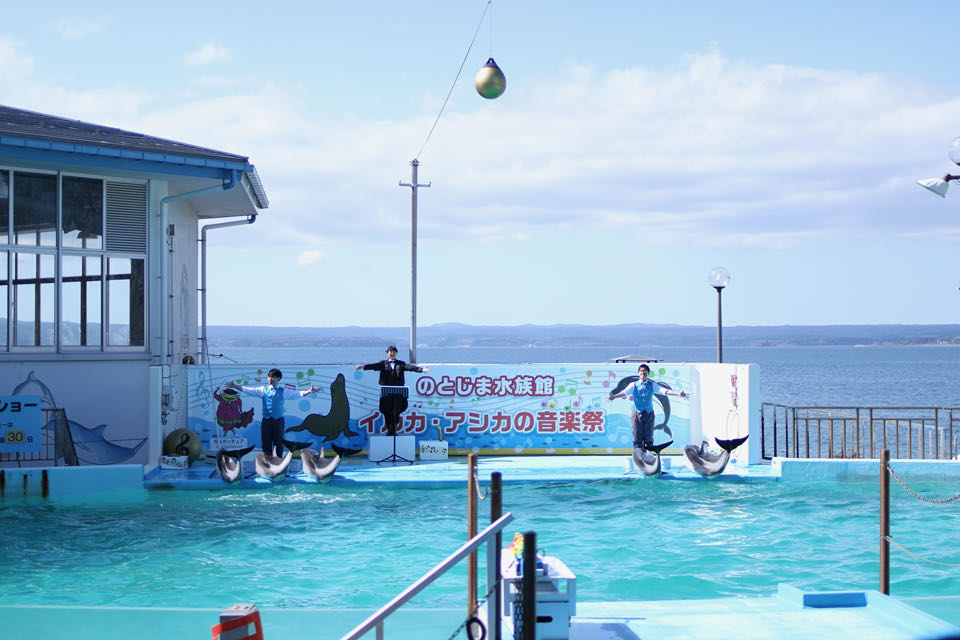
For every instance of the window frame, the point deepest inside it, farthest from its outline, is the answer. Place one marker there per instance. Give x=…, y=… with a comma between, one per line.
x=62, y=256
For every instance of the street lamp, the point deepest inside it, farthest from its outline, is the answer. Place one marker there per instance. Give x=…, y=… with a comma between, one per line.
x=939, y=185
x=718, y=279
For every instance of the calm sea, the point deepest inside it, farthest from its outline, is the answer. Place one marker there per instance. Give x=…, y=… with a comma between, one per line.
x=926, y=376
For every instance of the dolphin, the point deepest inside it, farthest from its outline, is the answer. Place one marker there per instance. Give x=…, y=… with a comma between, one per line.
x=336, y=421
x=229, y=463
x=708, y=464
x=648, y=464
x=271, y=467
x=318, y=465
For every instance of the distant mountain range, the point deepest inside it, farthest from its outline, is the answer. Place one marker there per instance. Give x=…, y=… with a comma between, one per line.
x=568, y=335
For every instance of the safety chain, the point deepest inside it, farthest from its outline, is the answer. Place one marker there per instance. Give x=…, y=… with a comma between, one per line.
x=476, y=483
x=917, y=495
x=473, y=620
x=910, y=553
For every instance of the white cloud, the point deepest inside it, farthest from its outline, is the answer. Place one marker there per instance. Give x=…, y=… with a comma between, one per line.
x=208, y=54
x=79, y=28
x=709, y=154
x=309, y=258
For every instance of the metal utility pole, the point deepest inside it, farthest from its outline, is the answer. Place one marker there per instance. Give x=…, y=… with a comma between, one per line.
x=415, y=164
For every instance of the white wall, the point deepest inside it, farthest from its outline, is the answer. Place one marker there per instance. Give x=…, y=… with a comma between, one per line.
x=729, y=411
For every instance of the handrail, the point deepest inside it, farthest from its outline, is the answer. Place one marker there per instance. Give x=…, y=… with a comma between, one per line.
x=376, y=620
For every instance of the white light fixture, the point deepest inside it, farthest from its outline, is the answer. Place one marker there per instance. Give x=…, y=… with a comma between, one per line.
x=939, y=185
x=936, y=185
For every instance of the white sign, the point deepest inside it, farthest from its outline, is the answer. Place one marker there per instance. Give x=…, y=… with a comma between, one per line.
x=20, y=424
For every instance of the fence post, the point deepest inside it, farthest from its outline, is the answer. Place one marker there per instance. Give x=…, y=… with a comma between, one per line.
x=528, y=587
x=471, y=532
x=496, y=510
x=884, y=522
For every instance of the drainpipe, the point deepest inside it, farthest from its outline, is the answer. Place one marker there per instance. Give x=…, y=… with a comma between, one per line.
x=165, y=320
x=204, y=359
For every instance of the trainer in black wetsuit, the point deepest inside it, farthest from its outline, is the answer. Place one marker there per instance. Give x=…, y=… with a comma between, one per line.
x=391, y=375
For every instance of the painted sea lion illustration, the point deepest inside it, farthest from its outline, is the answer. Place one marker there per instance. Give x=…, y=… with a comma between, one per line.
x=271, y=467
x=229, y=463
x=317, y=465
x=337, y=420
x=707, y=464
x=230, y=413
x=649, y=464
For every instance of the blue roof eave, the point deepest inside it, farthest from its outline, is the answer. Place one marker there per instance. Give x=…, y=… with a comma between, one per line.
x=69, y=153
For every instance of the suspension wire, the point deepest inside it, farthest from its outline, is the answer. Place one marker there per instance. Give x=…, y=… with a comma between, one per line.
x=459, y=71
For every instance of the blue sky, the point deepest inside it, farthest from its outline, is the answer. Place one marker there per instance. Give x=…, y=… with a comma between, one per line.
x=638, y=145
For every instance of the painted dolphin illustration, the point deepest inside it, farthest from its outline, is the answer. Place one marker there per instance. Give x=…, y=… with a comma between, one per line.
x=648, y=464
x=229, y=463
x=34, y=386
x=661, y=398
x=271, y=467
x=708, y=464
x=318, y=465
x=336, y=421
x=93, y=448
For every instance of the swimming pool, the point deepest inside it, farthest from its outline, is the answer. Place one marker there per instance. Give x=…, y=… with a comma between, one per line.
x=335, y=547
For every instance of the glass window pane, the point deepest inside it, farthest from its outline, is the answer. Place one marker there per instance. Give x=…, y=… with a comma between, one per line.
x=82, y=212
x=4, y=292
x=80, y=303
x=4, y=207
x=33, y=293
x=35, y=209
x=125, y=298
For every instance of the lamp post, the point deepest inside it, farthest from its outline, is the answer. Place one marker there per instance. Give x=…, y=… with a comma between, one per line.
x=718, y=279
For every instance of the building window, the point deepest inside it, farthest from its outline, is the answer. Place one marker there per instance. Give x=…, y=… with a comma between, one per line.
x=72, y=262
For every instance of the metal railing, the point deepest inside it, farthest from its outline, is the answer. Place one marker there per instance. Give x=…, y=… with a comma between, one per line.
x=56, y=446
x=923, y=433
x=376, y=620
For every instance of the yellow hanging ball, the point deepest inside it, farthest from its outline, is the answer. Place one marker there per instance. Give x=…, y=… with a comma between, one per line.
x=490, y=81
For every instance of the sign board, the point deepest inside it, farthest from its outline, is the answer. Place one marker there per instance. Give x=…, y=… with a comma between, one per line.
x=20, y=423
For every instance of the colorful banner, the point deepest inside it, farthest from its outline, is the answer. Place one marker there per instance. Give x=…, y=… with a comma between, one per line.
x=482, y=408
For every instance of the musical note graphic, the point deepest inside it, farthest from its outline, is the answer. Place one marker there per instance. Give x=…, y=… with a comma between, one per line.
x=610, y=374
x=202, y=392
x=181, y=448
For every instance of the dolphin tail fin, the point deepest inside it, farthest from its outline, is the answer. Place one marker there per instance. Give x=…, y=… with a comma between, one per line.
x=657, y=448
x=730, y=445
x=295, y=446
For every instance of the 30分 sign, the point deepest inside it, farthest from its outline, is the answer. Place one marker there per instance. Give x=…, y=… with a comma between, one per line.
x=20, y=424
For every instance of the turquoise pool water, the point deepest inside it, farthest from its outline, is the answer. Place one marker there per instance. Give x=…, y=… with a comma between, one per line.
x=334, y=547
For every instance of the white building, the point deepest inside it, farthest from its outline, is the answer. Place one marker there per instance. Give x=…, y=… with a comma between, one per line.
x=100, y=232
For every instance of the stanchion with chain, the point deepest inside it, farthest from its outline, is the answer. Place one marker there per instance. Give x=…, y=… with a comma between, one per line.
x=884, y=522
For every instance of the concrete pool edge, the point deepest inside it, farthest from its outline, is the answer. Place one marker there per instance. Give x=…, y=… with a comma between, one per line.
x=77, y=483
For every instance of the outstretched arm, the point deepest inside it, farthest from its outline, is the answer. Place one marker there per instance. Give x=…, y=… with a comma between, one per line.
x=623, y=394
